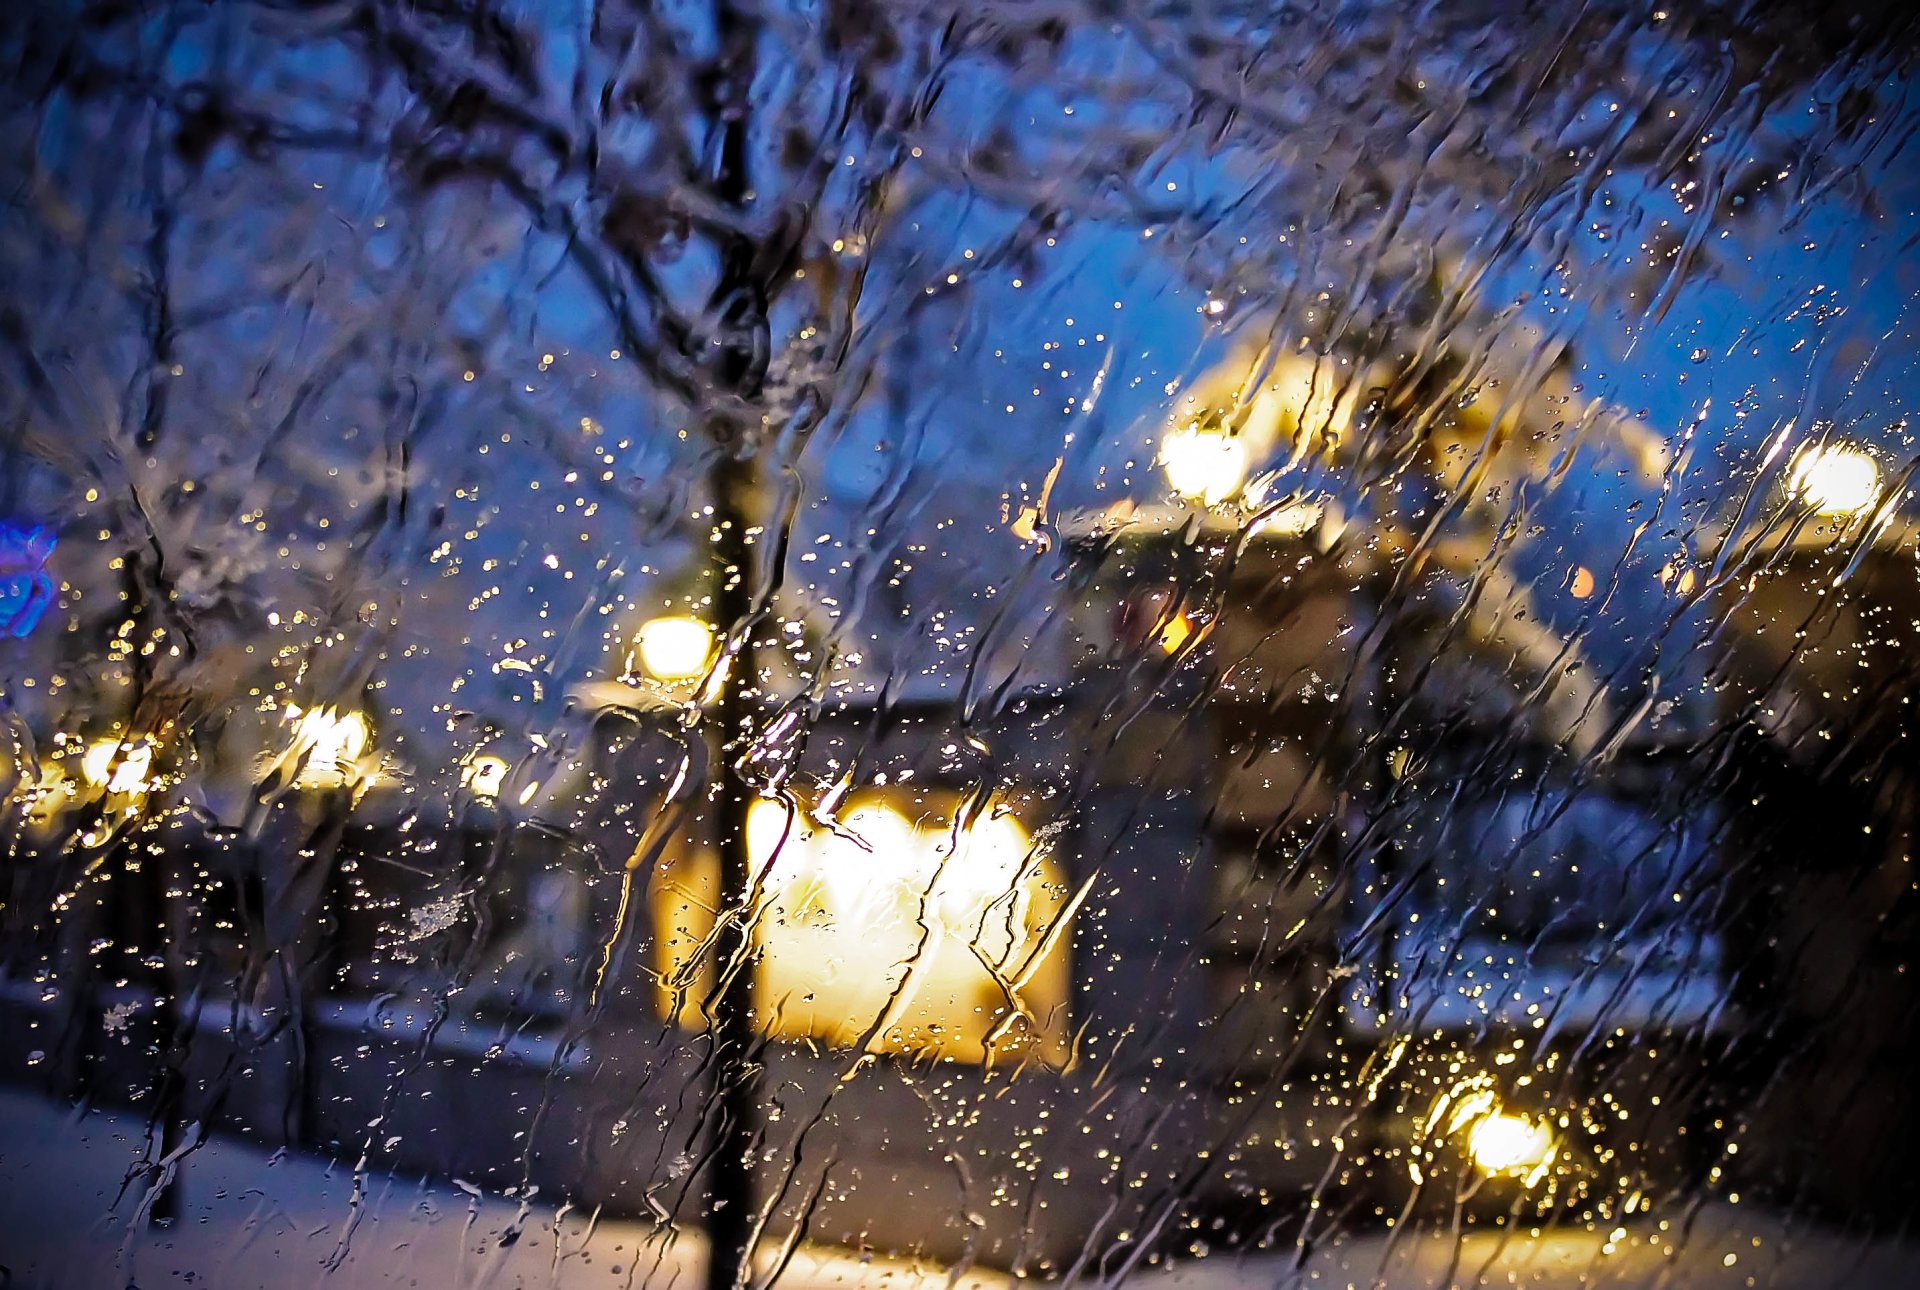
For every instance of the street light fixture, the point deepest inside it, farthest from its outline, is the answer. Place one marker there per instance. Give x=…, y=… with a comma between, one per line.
x=1299, y=401
x=1506, y=1145
x=116, y=766
x=1178, y=631
x=1204, y=464
x=675, y=647
x=485, y=775
x=1835, y=480
x=1498, y=1142
x=333, y=742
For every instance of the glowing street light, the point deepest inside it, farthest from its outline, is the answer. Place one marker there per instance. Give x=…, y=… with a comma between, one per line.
x=485, y=775
x=1835, y=480
x=1177, y=632
x=1498, y=1142
x=1507, y=1145
x=1299, y=400
x=1206, y=465
x=332, y=742
x=676, y=647
x=117, y=767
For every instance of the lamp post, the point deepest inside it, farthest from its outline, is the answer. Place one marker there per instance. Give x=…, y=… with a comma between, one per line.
x=710, y=663
x=1207, y=465
x=328, y=747
x=736, y=1069
x=117, y=767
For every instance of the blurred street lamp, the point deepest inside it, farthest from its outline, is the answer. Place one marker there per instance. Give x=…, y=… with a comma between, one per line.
x=1834, y=480
x=1507, y=1145
x=675, y=647
x=1177, y=632
x=485, y=775
x=331, y=744
x=1498, y=1142
x=117, y=767
x=1298, y=401
x=1202, y=464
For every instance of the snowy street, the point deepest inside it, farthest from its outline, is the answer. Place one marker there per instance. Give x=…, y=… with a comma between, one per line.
x=254, y=1219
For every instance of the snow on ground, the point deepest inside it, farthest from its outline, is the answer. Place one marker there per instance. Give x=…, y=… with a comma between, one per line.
x=251, y=1218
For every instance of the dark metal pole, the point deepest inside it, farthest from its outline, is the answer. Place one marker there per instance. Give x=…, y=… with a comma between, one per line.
x=739, y=303
x=736, y=1061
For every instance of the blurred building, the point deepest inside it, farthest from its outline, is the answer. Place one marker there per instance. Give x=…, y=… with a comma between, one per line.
x=1818, y=680
x=1252, y=892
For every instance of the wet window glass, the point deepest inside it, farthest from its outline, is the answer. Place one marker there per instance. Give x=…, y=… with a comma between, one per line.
x=736, y=643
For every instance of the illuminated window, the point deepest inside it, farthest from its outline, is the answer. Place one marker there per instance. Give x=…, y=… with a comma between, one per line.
x=887, y=932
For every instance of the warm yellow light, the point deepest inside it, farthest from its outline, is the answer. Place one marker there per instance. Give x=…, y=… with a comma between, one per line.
x=1295, y=520
x=675, y=648
x=1177, y=632
x=1025, y=525
x=1511, y=1145
x=51, y=793
x=859, y=870
x=868, y=883
x=330, y=744
x=983, y=873
x=1303, y=401
x=117, y=767
x=485, y=775
x=874, y=929
x=1206, y=465
x=767, y=827
x=881, y=862
x=1836, y=480
x=97, y=761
